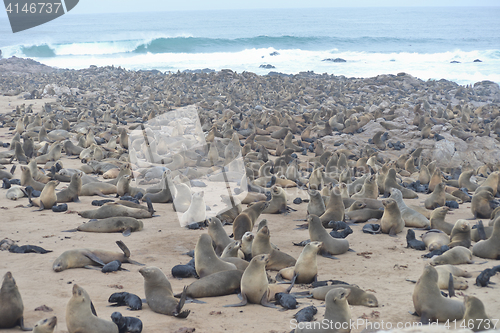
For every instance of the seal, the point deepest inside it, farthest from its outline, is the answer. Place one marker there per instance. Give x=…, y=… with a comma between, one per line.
x=196, y=211
x=490, y=248
x=48, y=197
x=11, y=304
x=391, y=222
x=15, y=192
x=363, y=215
x=429, y=304
x=277, y=259
x=128, y=299
x=159, y=294
x=390, y=182
x=206, y=261
x=254, y=284
x=434, y=239
x=444, y=272
x=482, y=203
x=123, y=224
x=123, y=187
x=45, y=325
x=246, y=245
x=126, y=324
x=246, y=219
x=437, y=198
x=216, y=284
x=414, y=243
x=306, y=267
x=27, y=179
x=165, y=195
x=475, y=314
x=369, y=189
x=277, y=204
x=411, y=217
x=460, y=234
x=357, y=296
x=113, y=209
x=337, y=314
x=455, y=256
x=98, y=188
x=330, y=246
x=79, y=316
x=79, y=258
x=335, y=210
x=218, y=234
x=72, y=192
x=464, y=181
x=437, y=220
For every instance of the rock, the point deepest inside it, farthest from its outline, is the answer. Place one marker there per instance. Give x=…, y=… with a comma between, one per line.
x=271, y=54
x=454, y=62
x=476, y=60
x=268, y=66
x=335, y=60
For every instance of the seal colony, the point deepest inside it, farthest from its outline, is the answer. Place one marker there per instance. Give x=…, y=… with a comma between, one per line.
x=298, y=136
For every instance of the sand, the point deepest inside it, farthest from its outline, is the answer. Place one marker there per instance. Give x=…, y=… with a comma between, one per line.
x=380, y=264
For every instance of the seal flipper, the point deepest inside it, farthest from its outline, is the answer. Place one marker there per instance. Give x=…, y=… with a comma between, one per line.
x=150, y=206
x=177, y=313
x=244, y=301
x=94, y=258
x=92, y=308
x=392, y=232
x=21, y=325
x=451, y=287
x=13, y=169
x=42, y=207
x=265, y=302
x=425, y=318
x=328, y=255
x=76, y=199
x=127, y=232
x=124, y=248
x=480, y=230
x=295, y=276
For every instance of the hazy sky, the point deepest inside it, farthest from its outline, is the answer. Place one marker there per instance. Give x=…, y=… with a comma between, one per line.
x=107, y=6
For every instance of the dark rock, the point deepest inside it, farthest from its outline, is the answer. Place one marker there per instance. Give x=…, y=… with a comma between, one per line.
x=268, y=66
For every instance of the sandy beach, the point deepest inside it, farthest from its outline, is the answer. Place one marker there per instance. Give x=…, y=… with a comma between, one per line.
x=380, y=264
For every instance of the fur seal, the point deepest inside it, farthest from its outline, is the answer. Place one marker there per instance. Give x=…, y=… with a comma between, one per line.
x=277, y=204
x=206, y=261
x=48, y=197
x=254, y=285
x=122, y=224
x=27, y=179
x=306, y=267
x=246, y=245
x=391, y=222
x=277, y=259
x=438, y=222
x=429, y=304
x=79, y=258
x=316, y=204
x=437, y=198
x=460, y=234
x=98, y=188
x=45, y=325
x=159, y=294
x=11, y=304
x=390, y=182
x=73, y=190
x=126, y=324
x=335, y=210
x=15, y=192
x=113, y=209
x=219, y=236
x=246, y=219
x=216, y=284
x=475, y=316
x=369, y=189
x=363, y=215
x=330, y=246
x=434, y=239
x=412, y=218
x=482, y=204
x=79, y=316
x=357, y=296
x=455, y=256
x=337, y=314
x=196, y=211
x=123, y=187
x=490, y=248
x=464, y=181
x=444, y=272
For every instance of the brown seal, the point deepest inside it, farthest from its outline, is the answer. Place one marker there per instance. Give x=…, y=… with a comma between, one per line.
x=429, y=304
x=411, y=217
x=444, y=272
x=11, y=304
x=335, y=210
x=464, y=181
x=437, y=220
x=460, y=234
x=206, y=261
x=217, y=284
x=48, y=197
x=455, y=256
x=318, y=233
x=306, y=267
x=79, y=316
x=79, y=258
x=219, y=236
x=97, y=188
x=45, y=325
x=390, y=182
x=490, y=248
x=112, y=209
x=277, y=204
x=475, y=316
x=391, y=222
x=277, y=259
x=123, y=187
x=437, y=198
x=122, y=224
x=369, y=189
x=357, y=296
x=254, y=284
x=27, y=179
x=434, y=239
x=246, y=219
x=73, y=190
x=159, y=295
x=337, y=314
x=482, y=203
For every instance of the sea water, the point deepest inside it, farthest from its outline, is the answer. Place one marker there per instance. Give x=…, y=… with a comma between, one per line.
x=427, y=42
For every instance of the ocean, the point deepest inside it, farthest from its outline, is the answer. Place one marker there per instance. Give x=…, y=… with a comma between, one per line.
x=426, y=42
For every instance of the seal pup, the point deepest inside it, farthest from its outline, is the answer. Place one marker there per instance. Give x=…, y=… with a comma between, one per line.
x=455, y=256
x=79, y=258
x=159, y=294
x=45, y=325
x=330, y=246
x=206, y=261
x=411, y=217
x=460, y=234
x=126, y=324
x=490, y=248
x=246, y=219
x=48, y=197
x=391, y=222
x=306, y=267
x=73, y=190
x=254, y=285
x=11, y=304
x=196, y=211
x=429, y=304
x=337, y=314
x=79, y=316
x=475, y=314
x=15, y=192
